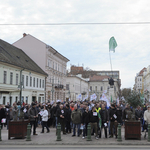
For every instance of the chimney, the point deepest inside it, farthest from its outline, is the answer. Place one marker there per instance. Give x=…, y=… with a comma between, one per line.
x=24, y=34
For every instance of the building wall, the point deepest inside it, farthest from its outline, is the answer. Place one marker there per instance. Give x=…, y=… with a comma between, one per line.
x=34, y=48
x=52, y=62
x=12, y=91
x=76, y=86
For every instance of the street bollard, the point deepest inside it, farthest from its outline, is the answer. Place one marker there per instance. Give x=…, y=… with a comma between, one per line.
x=58, y=132
x=28, y=132
x=119, y=138
x=148, y=133
x=0, y=134
x=89, y=132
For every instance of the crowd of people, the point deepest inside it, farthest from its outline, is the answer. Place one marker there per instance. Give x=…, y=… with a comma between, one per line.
x=75, y=116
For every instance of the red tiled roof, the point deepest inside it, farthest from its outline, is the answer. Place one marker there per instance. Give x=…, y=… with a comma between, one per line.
x=98, y=78
x=141, y=72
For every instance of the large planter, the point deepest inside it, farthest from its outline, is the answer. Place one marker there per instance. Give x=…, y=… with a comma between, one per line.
x=133, y=130
x=17, y=129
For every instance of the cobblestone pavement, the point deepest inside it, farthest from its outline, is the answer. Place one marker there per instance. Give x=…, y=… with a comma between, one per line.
x=50, y=139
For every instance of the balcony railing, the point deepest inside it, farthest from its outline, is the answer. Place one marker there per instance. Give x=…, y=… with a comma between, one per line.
x=59, y=86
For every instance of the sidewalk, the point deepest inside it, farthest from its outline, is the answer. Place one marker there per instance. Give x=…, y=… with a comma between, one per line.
x=50, y=139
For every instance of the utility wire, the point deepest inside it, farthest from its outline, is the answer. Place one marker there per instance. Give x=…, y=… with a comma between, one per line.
x=59, y=24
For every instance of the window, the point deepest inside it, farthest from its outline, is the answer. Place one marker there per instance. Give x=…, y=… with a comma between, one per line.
x=30, y=81
x=56, y=66
x=23, y=80
x=40, y=83
x=67, y=86
x=53, y=65
x=22, y=99
x=39, y=99
x=26, y=80
x=43, y=84
x=16, y=99
x=37, y=82
x=33, y=82
x=114, y=88
x=101, y=88
x=5, y=77
x=4, y=100
x=16, y=79
x=26, y=100
x=95, y=88
x=11, y=78
x=90, y=88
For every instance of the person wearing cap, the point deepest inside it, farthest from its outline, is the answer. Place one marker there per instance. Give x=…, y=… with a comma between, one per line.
x=147, y=115
x=113, y=120
x=33, y=115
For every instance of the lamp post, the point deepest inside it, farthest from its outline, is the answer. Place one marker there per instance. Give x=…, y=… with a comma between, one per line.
x=21, y=85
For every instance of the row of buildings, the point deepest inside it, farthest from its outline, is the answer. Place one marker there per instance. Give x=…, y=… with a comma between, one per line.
x=142, y=83
x=31, y=70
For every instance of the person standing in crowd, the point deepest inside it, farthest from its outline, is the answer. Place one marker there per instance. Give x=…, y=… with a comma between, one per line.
x=113, y=120
x=94, y=121
x=138, y=114
x=9, y=115
x=98, y=108
x=119, y=114
x=144, y=109
x=125, y=115
x=61, y=117
x=104, y=120
x=68, y=119
x=44, y=120
x=85, y=121
x=33, y=115
x=72, y=106
x=15, y=112
x=2, y=115
x=147, y=115
x=76, y=120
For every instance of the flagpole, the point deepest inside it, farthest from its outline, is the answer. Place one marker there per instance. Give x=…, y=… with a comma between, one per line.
x=110, y=63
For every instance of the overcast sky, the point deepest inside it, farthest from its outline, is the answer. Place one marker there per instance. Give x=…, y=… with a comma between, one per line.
x=85, y=44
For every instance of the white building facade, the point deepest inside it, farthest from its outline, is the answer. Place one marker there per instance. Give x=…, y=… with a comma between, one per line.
x=33, y=85
x=51, y=61
x=146, y=77
x=76, y=85
x=14, y=63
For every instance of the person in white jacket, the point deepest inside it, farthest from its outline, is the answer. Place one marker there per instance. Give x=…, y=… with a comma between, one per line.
x=44, y=120
x=147, y=115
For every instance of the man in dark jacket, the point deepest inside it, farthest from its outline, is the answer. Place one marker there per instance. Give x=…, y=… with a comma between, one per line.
x=119, y=114
x=85, y=121
x=68, y=118
x=104, y=119
x=61, y=117
x=33, y=115
x=113, y=120
x=94, y=121
x=138, y=114
x=76, y=120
